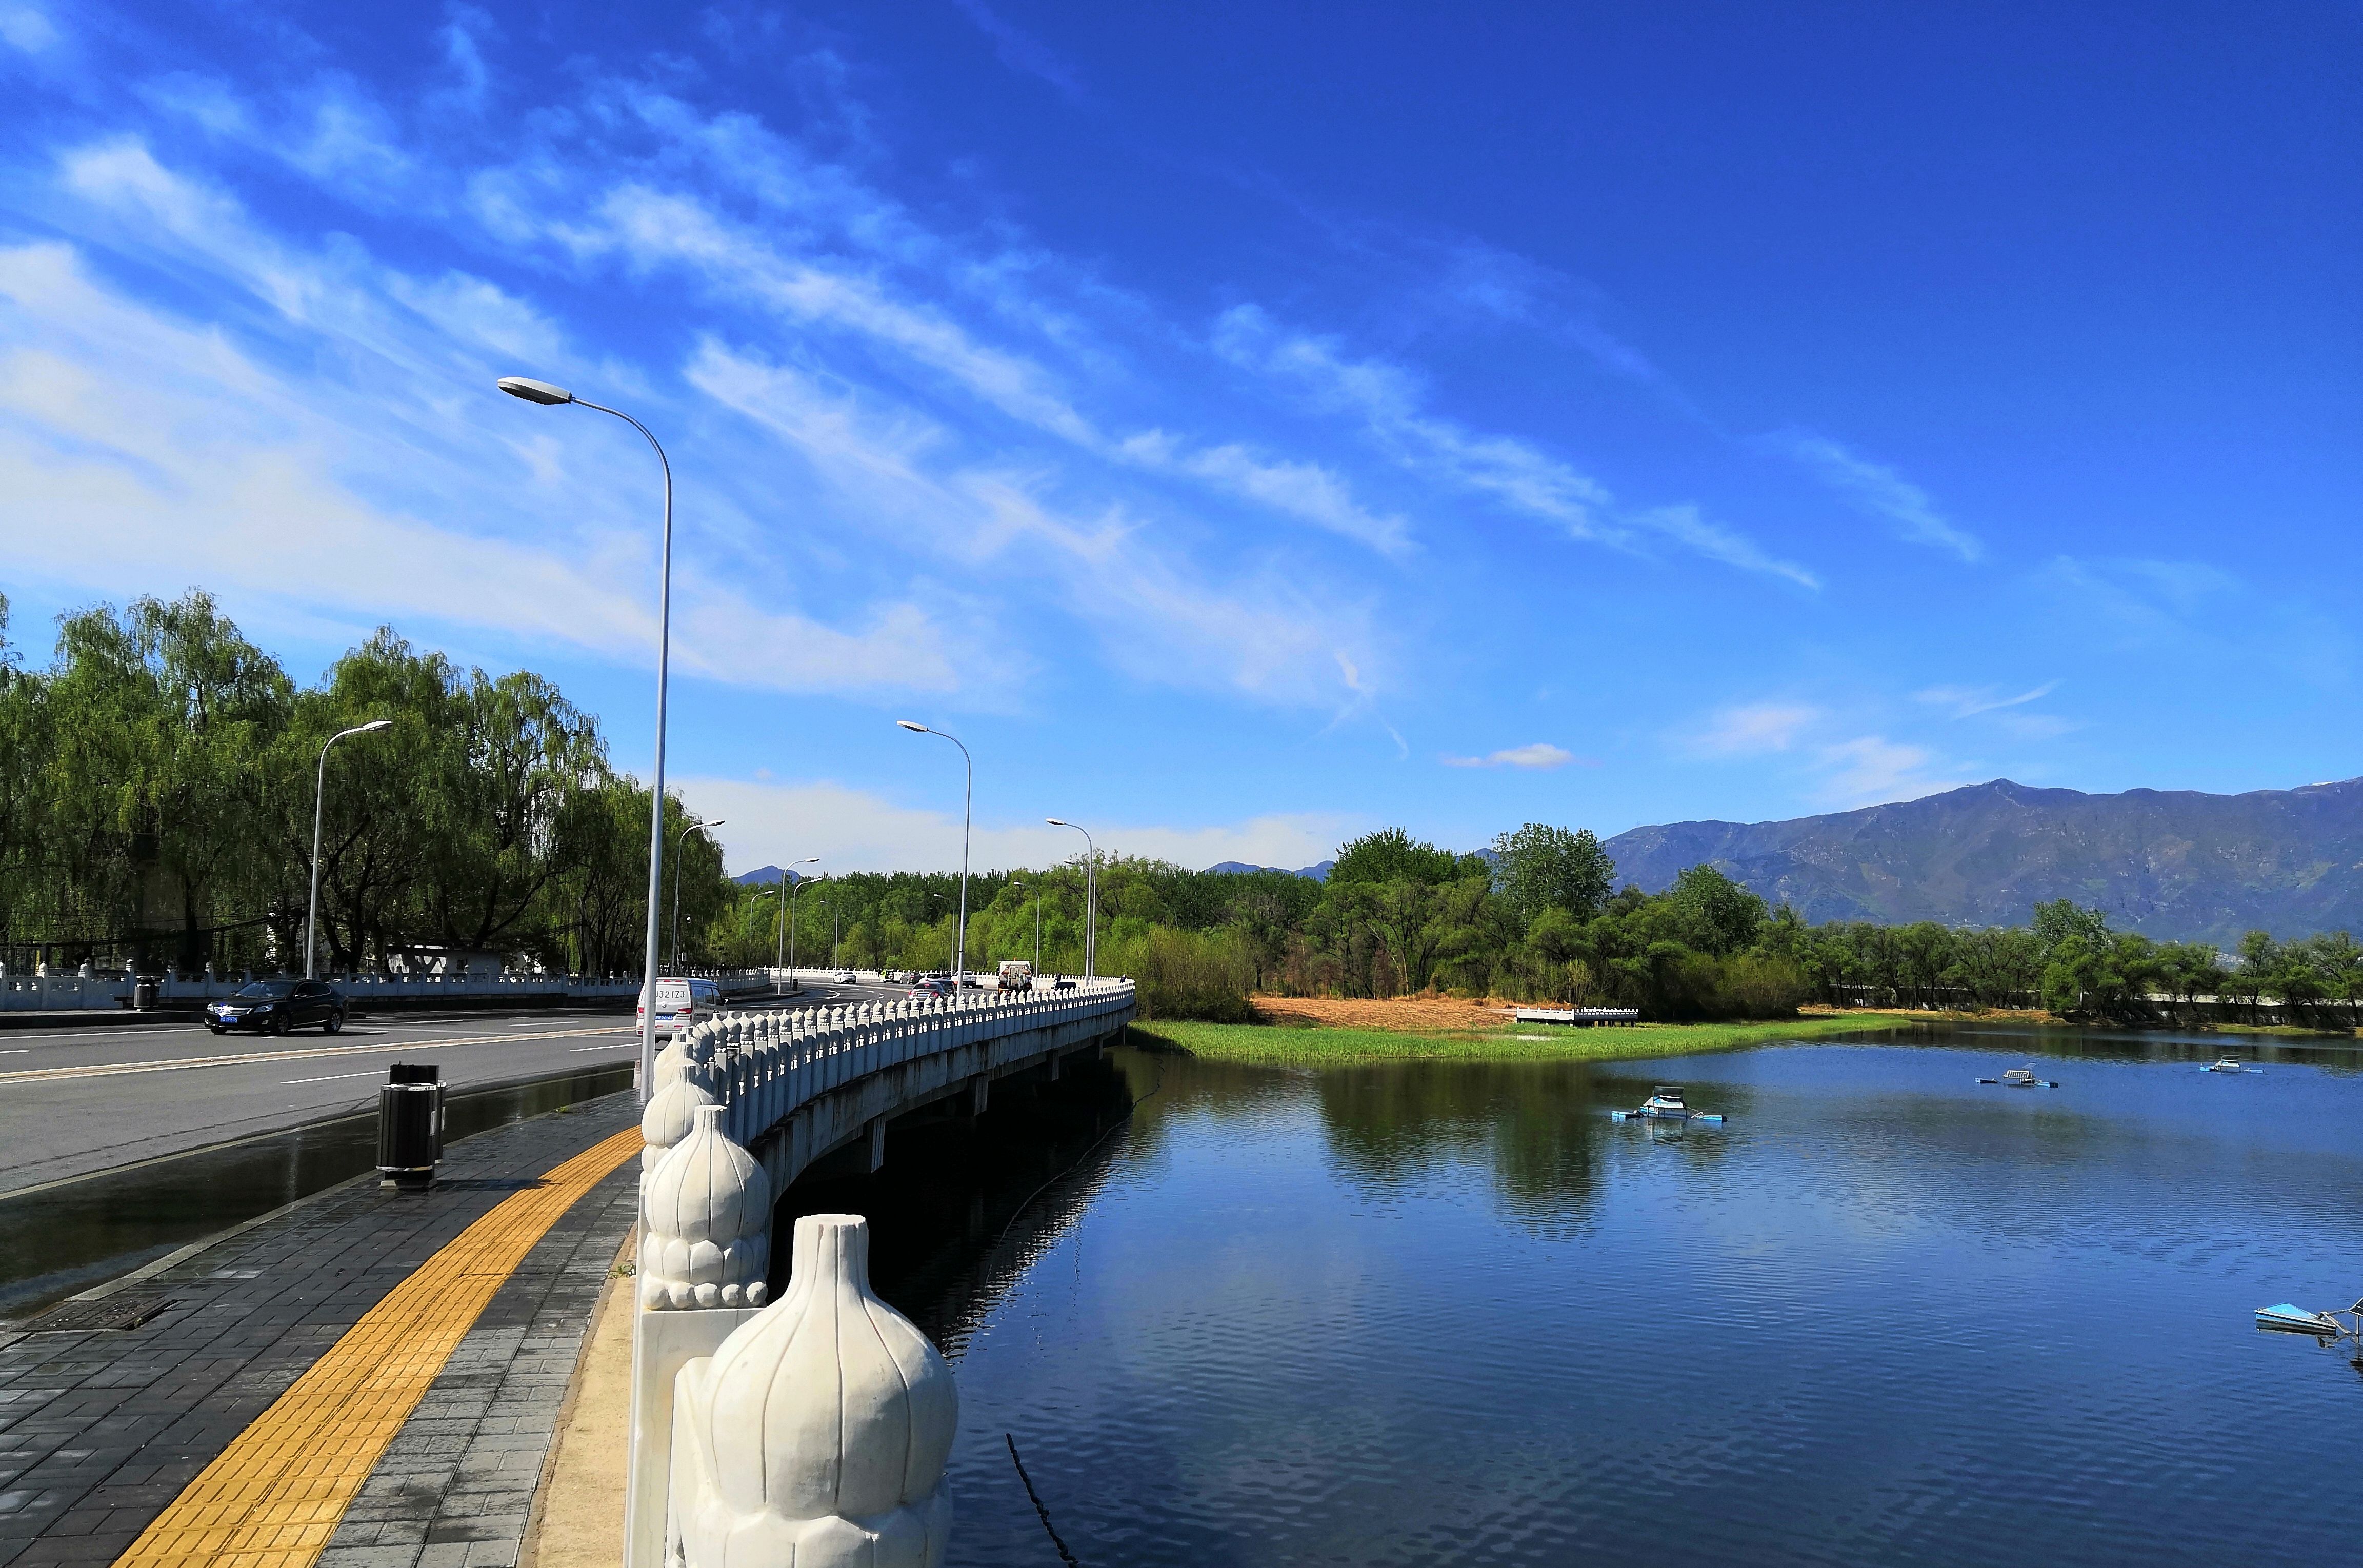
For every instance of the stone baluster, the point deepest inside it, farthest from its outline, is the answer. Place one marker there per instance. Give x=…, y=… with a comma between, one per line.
x=671, y=1116
x=815, y=1436
x=708, y=1209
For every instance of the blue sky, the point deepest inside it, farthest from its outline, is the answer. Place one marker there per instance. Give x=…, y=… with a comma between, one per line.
x=1243, y=424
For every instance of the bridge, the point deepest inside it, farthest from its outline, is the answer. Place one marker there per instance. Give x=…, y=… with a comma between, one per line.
x=760, y=1432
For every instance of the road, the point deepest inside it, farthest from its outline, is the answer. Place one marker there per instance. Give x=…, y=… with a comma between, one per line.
x=73, y=1102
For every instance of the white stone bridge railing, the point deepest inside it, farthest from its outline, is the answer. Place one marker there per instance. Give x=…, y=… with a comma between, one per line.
x=811, y=1430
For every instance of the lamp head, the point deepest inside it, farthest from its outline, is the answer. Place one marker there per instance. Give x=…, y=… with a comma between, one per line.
x=375, y=724
x=1056, y=823
x=914, y=728
x=716, y=823
x=534, y=391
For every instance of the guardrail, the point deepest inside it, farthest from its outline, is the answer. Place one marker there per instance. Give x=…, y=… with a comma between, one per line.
x=761, y=1434
x=46, y=993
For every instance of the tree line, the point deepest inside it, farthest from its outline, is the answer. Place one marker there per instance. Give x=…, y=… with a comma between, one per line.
x=156, y=794
x=157, y=791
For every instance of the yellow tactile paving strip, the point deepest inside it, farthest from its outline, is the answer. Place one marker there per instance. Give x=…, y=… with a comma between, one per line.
x=276, y=1494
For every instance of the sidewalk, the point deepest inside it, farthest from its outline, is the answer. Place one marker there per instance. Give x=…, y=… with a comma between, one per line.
x=105, y=1432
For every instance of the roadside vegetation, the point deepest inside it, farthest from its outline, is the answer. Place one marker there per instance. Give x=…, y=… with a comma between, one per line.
x=1284, y=1046
x=156, y=798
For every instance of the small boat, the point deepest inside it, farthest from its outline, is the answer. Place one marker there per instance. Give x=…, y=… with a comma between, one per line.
x=2292, y=1319
x=2227, y=1064
x=1665, y=1104
x=2021, y=1077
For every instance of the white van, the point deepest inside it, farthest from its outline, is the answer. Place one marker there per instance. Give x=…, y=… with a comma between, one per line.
x=1016, y=975
x=680, y=1004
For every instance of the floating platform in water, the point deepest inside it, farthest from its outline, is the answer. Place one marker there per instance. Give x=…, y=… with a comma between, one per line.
x=2292, y=1319
x=1665, y=1105
x=2229, y=1065
x=2021, y=1077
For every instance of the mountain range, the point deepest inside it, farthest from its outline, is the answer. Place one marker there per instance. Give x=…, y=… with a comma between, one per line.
x=1319, y=872
x=2172, y=864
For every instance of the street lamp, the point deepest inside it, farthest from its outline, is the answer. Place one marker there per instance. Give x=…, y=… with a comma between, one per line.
x=677, y=853
x=799, y=888
x=780, y=944
x=1037, y=920
x=319, y=793
x=968, y=796
x=543, y=393
x=1090, y=894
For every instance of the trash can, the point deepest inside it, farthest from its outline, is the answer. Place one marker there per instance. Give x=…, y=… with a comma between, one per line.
x=143, y=994
x=409, y=1127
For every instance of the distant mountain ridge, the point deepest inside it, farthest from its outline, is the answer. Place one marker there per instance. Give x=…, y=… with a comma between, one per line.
x=2172, y=864
x=766, y=877
x=1318, y=872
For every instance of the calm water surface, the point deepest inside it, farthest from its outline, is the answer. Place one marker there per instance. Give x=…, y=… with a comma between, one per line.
x=1427, y=1313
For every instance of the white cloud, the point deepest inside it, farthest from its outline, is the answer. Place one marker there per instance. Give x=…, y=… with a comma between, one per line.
x=1389, y=403
x=1541, y=755
x=854, y=829
x=1871, y=770
x=22, y=27
x=1879, y=491
x=1966, y=702
x=192, y=459
x=1316, y=494
x=1755, y=729
x=1163, y=622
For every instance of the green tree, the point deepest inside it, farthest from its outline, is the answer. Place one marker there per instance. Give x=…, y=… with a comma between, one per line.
x=1539, y=867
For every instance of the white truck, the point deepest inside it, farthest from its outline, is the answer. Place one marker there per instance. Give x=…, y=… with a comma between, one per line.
x=1016, y=975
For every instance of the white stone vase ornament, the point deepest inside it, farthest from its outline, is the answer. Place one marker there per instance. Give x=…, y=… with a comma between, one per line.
x=671, y=1116
x=815, y=1436
x=708, y=1208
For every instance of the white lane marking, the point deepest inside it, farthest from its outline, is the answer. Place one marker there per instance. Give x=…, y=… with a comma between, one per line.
x=332, y=1077
x=17, y=1050
x=578, y=1050
x=110, y=1069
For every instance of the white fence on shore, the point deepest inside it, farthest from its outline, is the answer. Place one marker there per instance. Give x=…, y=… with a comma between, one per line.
x=47, y=993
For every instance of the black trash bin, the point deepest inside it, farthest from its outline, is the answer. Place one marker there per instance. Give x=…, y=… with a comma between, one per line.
x=410, y=1126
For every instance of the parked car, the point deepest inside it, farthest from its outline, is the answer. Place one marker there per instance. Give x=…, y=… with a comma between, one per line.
x=680, y=1004
x=274, y=1007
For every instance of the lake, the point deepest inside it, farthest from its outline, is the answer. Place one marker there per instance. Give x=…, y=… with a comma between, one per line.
x=1443, y=1313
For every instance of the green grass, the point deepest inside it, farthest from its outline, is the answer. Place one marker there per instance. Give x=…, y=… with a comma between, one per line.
x=1264, y=1044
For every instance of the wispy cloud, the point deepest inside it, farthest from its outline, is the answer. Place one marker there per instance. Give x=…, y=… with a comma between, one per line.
x=1967, y=701
x=852, y=829
x=1754, y=729
x=1541, y=755
x=1020, y=50
x=1879, y=491
x=1517, y=474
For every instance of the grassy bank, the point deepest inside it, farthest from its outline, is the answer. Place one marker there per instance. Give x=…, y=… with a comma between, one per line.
x=1282, y=1047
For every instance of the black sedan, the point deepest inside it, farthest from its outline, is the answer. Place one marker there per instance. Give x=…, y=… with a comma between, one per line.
x=274, y=1007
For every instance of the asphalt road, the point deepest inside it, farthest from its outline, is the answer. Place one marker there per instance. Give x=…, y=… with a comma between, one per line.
x=73, y=1102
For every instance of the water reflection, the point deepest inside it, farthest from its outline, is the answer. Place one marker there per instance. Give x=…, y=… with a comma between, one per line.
x=56, y=1241
x=1431, y=1312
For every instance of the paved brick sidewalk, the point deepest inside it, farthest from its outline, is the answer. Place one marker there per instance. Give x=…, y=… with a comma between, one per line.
x=99, y=1432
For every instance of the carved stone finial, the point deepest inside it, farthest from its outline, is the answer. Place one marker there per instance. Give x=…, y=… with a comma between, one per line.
x=778, y=1473
x=670, y=1116
x=708, y=1207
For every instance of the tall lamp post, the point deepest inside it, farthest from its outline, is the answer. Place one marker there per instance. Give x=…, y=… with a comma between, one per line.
x=678, y=852
x=967, y=798
x=543, y=393
x=1090, y=894
x=799, y=888
x=319, y=796
x=780, y=938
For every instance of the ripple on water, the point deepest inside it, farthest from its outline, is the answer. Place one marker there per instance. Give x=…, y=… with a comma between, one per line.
x=1442, y=1313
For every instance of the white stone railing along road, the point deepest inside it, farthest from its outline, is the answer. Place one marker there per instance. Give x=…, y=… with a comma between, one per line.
x=810, y=1431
